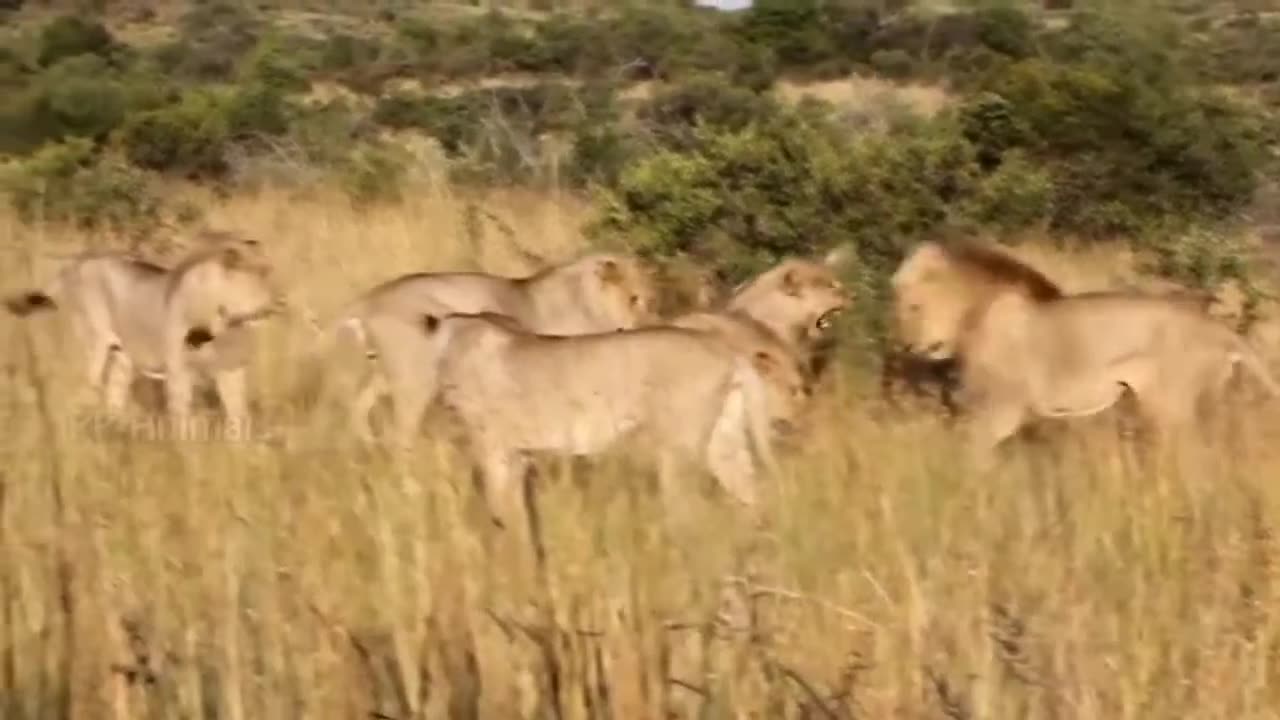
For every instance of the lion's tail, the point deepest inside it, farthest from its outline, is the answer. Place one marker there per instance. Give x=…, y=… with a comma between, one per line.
x=1244, y=354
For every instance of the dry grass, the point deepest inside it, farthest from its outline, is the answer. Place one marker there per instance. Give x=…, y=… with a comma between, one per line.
x=239, y=579
x=867, y=94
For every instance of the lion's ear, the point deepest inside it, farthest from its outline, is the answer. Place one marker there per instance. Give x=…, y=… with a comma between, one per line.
x=764, y=362
x=430, y=323
x=791, y=282
x=231, y=257
x=838, y=256
x=610, y=272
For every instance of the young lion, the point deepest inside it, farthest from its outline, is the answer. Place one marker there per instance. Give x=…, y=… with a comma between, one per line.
x=597, y=292
x=679, y=389
x=795, y=299
x=171, y=324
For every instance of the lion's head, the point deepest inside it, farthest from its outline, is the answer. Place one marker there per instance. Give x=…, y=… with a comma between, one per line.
x=619, y=290
x=787, y=388
x=232, y=278
x=797, y=297
x=939, y=288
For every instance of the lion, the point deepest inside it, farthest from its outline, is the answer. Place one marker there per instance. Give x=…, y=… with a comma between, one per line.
x=174, y=324
x=792, y=303
x=797, y=299
x=682, y=391
x=1026, y=349
x=596, y=292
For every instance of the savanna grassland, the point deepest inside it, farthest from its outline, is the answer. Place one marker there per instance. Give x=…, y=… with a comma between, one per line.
x=285, y=571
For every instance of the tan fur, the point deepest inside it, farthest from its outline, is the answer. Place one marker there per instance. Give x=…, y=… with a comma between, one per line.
x=1027, y=350
x=795, y=300
x=744, y=336
x=682, y=391
x=595, y=293
x=178, y=324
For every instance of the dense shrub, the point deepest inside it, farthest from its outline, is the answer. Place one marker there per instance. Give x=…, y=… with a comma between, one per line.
x=460, y=122
x=374, y=173
x=893, y=64
x=793, y=29
x=71, y=35
x=743, y=198
x=213, y=37
x=278, y=64
x=189, y=137
x=81, y=96
x=676, y=110
x=341, y=51
x=1122, y=152
x=70, y=182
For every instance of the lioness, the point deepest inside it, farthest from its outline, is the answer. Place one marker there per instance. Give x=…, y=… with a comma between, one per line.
x=796, y=299
x=679, y=389
x=594, y=293
x=171, y=324
x=1025, y=349
x=791, y=303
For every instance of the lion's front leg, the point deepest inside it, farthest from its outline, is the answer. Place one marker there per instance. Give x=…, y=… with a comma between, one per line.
x=503, y=486
x=231, y=393
x=371, y=391
x=728, y=453
x=119, y=376
x=992, y=423
x=178, y=384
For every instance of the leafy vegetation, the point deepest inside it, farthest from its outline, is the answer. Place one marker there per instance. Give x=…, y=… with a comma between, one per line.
x=1097, y=127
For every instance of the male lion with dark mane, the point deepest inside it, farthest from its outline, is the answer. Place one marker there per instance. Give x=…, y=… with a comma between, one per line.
x=176, y=324
x=1026, y=349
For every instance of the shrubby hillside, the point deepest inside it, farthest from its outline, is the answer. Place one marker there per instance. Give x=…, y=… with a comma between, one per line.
x=691, y=128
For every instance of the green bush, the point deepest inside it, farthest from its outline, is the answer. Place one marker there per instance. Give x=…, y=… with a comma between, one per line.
x=14, y=72
x=278, y=64
x=794, y=30
x=1198, y=257
x=1205, y=259
x=894, y=64
x=71, y=35
x=676, y=110
x=69, y=182
x=189, y=138
x=81, y=96
x=743, y=198
x=1123, y=152
x=1006, y=30
x=571, y=45
x=342, y=51
x=1017, y=195
x=374, y=172
x=213, y=38
x=462, y=121
x=257, y=111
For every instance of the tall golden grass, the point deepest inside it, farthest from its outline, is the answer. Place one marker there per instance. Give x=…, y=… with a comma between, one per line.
x=307, y=577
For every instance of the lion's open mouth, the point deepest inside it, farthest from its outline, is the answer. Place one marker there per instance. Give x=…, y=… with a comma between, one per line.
x=825, y=319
